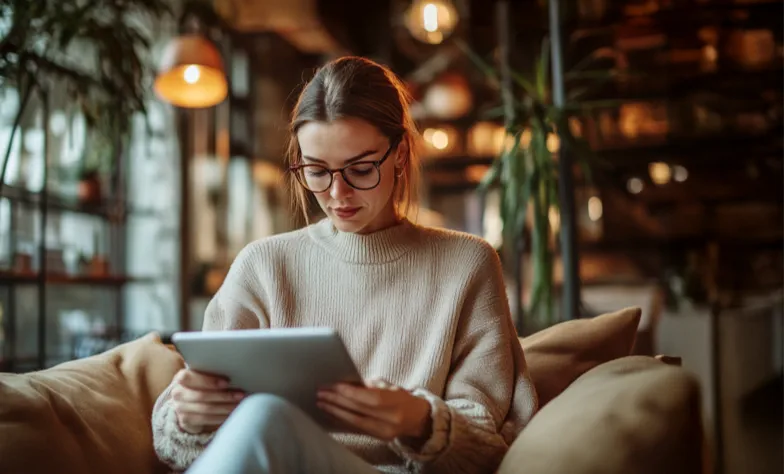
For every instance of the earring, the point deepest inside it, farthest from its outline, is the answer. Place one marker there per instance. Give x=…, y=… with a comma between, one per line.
x=400, y=175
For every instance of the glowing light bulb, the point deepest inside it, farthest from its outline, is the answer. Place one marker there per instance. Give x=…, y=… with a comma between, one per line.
x=553, y=143
x=660, y=172
x=430, y=17
x=431, y=21
x=595, y=208
x=191, y=74
x=635, y=185
x=440, y=139
x=680, y=173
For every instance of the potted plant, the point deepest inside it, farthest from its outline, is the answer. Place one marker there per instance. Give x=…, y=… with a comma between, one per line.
x=526, y=175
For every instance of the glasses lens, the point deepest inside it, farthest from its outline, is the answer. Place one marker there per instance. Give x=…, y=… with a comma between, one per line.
x=314, y=177
x=362, y=175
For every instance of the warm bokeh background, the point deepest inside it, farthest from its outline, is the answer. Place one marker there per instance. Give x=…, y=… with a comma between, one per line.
x=667, y=116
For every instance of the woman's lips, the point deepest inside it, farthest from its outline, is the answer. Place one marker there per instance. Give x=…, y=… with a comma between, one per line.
x=345, y=212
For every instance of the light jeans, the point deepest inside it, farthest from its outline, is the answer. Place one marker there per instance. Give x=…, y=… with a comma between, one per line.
x=267, y=434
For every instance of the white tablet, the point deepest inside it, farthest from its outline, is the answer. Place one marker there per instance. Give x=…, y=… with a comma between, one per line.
x=292, y=363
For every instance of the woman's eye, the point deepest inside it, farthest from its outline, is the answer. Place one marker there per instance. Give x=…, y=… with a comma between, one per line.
x=315, y=172
x=361, y=169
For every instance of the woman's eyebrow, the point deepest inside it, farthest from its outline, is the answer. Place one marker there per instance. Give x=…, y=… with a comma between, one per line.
x=345, y=162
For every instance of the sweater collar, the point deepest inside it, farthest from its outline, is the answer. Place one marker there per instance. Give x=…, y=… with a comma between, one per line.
x=377, y=247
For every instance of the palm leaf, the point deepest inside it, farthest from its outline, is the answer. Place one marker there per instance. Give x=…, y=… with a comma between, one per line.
x=480, y=63
x=491, y=176
x=526, y=84
x=543, y=69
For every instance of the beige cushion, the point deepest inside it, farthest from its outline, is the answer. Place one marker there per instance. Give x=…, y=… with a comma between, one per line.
x=86, y=416
x=556, y=356
x=631, y=415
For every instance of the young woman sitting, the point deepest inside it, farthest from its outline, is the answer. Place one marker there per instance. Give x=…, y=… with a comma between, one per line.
x=422, y=311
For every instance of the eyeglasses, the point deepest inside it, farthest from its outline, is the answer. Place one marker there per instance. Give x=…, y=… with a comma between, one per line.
x=362, y=175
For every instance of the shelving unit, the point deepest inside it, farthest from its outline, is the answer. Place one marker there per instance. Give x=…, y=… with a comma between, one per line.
x=44, y=279
x=41, y=272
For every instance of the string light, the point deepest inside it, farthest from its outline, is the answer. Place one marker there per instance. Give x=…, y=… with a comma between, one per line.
x=680, y=173
x=595, y=208
x=431, y=21
x=635, y=185
x=660, y=173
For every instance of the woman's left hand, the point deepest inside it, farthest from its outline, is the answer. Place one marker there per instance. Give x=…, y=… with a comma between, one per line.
x=378, y=409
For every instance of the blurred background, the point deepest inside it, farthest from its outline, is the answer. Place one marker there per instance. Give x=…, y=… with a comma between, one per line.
x=624, y=153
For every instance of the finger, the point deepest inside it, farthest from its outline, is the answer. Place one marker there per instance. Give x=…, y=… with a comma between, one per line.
x=373, y=427
x=200, y=420
x=223, y=409
x=339, y=400
x=198, y=380
x=367, y=396
x=386, y=413
x=185, y=394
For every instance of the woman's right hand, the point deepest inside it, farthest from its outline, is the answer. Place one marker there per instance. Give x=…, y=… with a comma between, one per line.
x=202, y=402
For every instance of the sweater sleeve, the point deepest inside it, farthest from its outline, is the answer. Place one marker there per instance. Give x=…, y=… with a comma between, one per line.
x=238, y=304
x=489, y=396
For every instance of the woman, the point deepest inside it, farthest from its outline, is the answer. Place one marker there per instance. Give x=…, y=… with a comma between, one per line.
x=422, y=312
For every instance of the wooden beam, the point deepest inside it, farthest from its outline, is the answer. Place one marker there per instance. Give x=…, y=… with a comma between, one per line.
x=712, y=149
x=714, y=189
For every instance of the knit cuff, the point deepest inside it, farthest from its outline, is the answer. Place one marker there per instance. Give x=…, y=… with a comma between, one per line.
x=174, y=446
x=441, y=418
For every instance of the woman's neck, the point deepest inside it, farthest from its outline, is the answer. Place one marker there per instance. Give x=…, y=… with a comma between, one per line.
x=383, y=245
x=386, y=219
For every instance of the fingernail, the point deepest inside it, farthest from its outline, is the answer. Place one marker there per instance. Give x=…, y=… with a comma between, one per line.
x=223, y=383
x=239, y=396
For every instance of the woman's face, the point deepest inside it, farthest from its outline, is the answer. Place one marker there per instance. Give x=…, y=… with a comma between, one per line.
x=346, y=141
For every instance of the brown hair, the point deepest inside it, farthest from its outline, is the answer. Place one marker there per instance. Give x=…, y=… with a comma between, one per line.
x=356, y=87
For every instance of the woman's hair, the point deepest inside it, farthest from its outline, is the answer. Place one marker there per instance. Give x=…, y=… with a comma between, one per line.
x=355, y=87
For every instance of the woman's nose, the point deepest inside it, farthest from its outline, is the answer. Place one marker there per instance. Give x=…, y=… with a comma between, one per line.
x=340, y=188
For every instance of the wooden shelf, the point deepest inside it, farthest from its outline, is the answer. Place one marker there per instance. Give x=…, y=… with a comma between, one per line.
x=457, y=162
x=10, y=277
x=688, y=18
x=691, y=149
x=112, y=210
x=657, y=84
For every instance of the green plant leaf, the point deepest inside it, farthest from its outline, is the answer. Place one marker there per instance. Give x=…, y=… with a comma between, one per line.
x=493, y=113
x=526, y=84
x=491, y=176
x=543, y=70
x=601, y=74
x=525, y=196
x=489, y=71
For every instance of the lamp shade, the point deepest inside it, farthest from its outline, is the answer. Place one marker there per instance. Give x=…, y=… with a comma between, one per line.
x=191, y=73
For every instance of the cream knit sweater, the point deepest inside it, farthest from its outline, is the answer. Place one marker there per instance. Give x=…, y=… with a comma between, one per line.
x=423, y=308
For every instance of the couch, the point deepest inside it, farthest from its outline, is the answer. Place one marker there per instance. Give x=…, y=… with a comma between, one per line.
x=602, y=409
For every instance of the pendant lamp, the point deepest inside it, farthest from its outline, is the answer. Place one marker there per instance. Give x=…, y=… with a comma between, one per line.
x=191, y=73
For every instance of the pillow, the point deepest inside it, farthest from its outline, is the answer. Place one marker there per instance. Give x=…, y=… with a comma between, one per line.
x=631, y=415
x=556, y=356
x=89, y=415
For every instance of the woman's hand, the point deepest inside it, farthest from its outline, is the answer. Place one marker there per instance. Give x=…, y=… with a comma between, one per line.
x=202, y=402
x=379, y=409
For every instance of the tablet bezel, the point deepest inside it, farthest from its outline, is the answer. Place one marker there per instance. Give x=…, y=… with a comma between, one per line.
x=292, y=363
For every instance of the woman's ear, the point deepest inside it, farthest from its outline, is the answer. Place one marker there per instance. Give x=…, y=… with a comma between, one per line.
x=402, y=154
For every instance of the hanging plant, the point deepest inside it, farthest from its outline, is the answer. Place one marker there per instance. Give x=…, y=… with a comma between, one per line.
x=97, y=51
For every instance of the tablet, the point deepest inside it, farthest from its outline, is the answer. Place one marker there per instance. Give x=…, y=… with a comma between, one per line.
x=292, y=363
